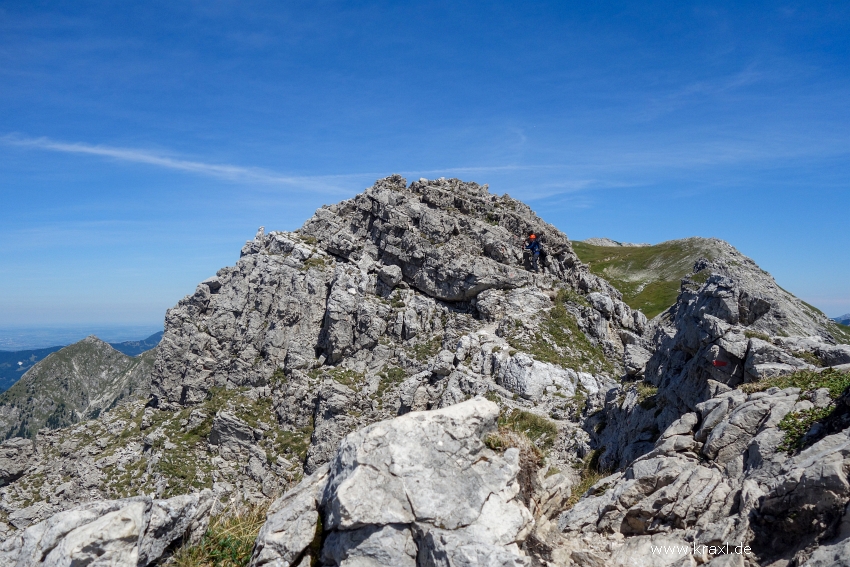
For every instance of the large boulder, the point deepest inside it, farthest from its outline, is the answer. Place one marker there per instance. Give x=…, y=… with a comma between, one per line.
x=421, y=489
x=129, y=532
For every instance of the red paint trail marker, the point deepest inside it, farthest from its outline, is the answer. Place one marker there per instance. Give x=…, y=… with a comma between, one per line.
x=719, y=363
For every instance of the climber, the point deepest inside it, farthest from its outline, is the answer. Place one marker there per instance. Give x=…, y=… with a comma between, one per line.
x=532, y=244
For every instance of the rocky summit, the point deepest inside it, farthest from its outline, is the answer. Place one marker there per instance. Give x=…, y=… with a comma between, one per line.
x=398, y=387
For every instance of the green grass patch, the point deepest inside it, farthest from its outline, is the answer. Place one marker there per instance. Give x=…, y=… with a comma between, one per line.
x=836, y=382
x=647, y=395
x=797, y=424
x=346, y=377
x=562, y=342
x=396, y=302
x=278, y=378
x=649, y=277
x=540, y=430
x=228, y=542
x=390, y=377
x=530, y=456
x=700, y=277
x=756, y=335
x=293, y=443
x=572, y=296
x=425, y=350
x=589, y=475
x=184, y=472
x=580, y=397
x=313, y=262
x=809, y=357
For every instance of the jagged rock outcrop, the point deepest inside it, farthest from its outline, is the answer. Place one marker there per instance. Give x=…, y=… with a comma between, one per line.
x=405, y=297
x=422, y=489
x=719, y=475
x=332, y=290
x=128, y=532
x=703, y=463
x=735, y=327
x=77, y=382
x=268, y=366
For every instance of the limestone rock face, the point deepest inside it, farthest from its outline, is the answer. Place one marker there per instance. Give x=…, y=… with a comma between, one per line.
x=421, y=489
x=717, y=475
x=735, y=328
x=321, y=295
x=133, y=531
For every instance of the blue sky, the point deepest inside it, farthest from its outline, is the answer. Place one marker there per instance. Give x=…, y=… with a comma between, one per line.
x=142, y=143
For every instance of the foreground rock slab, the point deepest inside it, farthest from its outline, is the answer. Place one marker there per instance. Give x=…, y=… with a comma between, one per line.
x=419, y=490
x=128, y=532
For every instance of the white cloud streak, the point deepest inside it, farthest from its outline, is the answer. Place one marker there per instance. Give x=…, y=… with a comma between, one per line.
x=221, y=171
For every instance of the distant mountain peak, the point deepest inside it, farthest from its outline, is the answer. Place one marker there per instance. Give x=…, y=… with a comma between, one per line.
x=73, y=383
x=596, y=241
x=842, y=319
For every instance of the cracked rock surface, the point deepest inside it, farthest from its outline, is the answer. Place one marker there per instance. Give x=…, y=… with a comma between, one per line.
x=421, y=489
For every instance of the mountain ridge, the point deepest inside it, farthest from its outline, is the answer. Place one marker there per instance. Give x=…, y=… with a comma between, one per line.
x=405, y=326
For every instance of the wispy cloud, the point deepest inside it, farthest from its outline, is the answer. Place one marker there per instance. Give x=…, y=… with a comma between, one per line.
x=480, y=169
x=696, y=91
x=326, y=183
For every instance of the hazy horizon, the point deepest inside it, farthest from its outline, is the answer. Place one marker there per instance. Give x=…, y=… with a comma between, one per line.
x=34, y=338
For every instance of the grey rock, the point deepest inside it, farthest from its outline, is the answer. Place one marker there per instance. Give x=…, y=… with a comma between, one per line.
x=331, y=423
x=291, y=524
x=390, y=275
x=375, y=470
x=419, y=489
x=14, y=458
x=133, y=531
x=834, y=555
x=602, y=303
x=293, y=294
x=635, y=359
x=443, y=363
x=390, y=546
x=809, y=497
x=766, y=361
x=707, y=344
x=230, y=433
